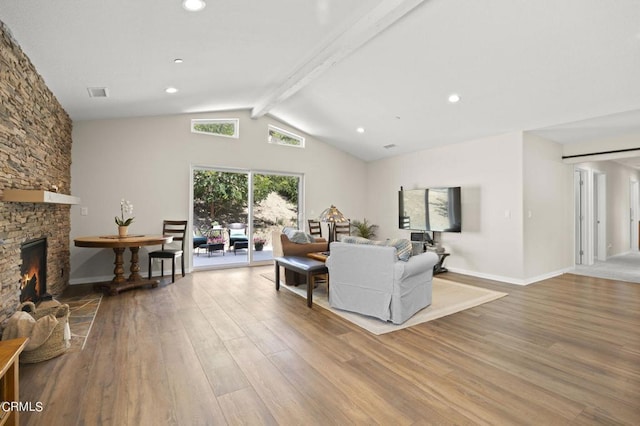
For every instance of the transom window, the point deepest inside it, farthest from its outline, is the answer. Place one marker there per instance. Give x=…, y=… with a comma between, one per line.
x=227, y=127
x=283, y=137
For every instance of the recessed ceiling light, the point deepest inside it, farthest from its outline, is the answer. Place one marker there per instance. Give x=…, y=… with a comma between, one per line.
x=454, y=98
x=178, y=61
x=360, y=130
x=171, y=90
x=193, y=5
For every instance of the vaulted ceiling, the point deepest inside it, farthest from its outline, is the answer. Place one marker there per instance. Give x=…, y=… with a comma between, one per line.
x=567, y=69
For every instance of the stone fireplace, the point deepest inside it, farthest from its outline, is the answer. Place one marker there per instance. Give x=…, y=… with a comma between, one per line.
x=35, y=154
x=33, y=271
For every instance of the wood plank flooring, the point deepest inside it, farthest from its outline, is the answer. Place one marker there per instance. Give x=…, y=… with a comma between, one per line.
x=223, y=347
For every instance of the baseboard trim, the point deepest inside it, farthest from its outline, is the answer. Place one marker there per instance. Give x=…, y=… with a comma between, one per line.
x=510, y=280
x=500, y=278
x=103, y=278
x=90, y=280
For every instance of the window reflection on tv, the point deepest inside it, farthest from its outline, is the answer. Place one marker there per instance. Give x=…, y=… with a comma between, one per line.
x=431, y=209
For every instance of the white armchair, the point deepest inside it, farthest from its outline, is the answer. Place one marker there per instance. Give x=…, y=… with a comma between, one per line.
x=370, y=280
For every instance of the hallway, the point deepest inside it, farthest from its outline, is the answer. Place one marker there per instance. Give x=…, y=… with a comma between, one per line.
x=624, y=267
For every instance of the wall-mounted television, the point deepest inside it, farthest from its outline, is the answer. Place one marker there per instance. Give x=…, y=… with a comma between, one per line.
x=430, y=209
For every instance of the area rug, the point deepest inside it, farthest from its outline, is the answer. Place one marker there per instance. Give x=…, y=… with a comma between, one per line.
x=82, y=313
x=449, y=297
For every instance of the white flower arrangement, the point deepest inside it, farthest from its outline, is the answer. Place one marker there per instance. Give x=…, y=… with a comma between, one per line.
x=125, y=207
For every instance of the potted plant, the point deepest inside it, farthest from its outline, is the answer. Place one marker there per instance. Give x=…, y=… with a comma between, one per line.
x=123, y=224
x=258, y=243
x=215, y=231
x=216, y=240
x=364, y=229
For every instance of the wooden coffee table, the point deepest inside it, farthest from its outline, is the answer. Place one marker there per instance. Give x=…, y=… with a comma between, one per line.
x=319, y=255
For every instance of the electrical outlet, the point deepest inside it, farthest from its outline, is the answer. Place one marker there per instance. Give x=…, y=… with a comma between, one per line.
x=84, y=211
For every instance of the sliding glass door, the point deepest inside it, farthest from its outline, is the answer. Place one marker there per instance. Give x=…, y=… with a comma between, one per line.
x=235, y=213
x=275, y=205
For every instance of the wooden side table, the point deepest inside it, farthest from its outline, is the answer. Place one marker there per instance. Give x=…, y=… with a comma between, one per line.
x=9, y=378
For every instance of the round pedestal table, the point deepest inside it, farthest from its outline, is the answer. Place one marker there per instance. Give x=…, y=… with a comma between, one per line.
x=119, y=245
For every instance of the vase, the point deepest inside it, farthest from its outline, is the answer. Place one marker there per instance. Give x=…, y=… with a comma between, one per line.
x=122, y=231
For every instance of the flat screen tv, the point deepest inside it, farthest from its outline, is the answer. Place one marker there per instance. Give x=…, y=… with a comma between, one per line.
x=430, y=209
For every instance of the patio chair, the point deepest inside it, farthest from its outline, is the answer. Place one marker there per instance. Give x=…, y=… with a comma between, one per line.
x=238, y=236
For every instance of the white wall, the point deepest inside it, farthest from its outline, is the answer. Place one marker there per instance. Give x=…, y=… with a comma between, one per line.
x=503, y=178
x=618, y=177
x=490, y=172
x=548, y=209
x=148, y=161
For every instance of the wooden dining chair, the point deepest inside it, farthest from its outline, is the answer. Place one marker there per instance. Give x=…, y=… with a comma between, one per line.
x=178, y=230
x=315, y=228
x=342, y=228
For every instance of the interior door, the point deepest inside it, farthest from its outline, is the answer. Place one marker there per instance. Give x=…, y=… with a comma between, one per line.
x=634, y=197
x=600, y=219
x=580, y=213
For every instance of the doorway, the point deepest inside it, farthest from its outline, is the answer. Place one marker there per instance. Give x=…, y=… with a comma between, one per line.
x=600, y=219
x=234, y=213
x=579, y=181
x=634, y=201
x=590, y=188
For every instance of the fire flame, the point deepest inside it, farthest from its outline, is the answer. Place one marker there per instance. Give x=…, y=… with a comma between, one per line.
x=28, y=277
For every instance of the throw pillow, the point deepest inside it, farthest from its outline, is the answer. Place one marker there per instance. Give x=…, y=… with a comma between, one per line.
x=297, y=236
x=403, y=248
x=351, y=239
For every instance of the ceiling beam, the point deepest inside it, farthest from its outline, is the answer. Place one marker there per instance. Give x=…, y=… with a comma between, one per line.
x=335, y=48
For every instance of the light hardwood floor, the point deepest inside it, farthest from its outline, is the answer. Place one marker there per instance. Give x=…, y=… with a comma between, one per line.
x=223, y=347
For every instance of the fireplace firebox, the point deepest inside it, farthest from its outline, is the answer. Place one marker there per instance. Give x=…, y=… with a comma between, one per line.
x=33, y=272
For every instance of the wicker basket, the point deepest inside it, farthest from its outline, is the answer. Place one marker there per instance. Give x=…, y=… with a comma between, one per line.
x=55, y=344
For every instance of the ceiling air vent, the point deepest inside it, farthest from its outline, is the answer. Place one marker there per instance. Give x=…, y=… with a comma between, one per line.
x=98, y=92
x=391, y=145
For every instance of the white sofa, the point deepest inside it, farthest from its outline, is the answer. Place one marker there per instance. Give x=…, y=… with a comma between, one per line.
x=370, y=280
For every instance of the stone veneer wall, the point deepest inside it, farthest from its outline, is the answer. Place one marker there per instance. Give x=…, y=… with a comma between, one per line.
x=35, y=153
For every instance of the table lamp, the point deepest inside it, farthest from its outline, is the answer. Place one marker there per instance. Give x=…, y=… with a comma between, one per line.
x=332, y=216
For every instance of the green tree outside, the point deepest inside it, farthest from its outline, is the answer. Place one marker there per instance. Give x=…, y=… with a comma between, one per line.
x=222, y=196
x=227, y=129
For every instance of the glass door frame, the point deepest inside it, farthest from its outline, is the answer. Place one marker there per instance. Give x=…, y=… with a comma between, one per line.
x=250, y=200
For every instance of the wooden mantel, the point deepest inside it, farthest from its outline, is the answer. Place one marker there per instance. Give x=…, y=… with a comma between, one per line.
x=38, y=196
